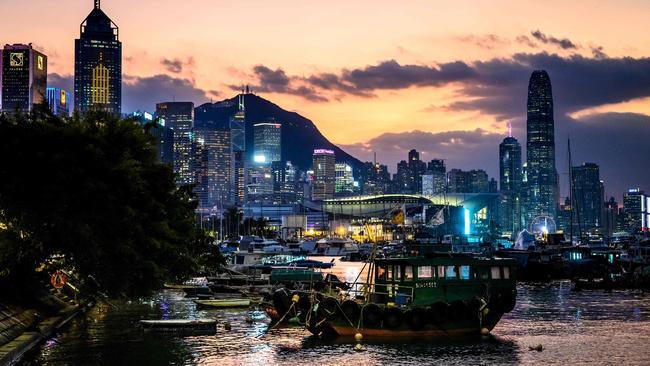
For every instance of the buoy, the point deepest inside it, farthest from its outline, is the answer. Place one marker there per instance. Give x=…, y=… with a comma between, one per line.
x=295, y=298
x=485, y=331
x=249, y=319
x=227, y=326
x=358, y=347
x=358, y=337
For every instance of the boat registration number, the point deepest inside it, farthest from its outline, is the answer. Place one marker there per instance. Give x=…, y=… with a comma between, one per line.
x=425, y=284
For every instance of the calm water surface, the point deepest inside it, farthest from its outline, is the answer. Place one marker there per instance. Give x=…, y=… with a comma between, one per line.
x=592, y=327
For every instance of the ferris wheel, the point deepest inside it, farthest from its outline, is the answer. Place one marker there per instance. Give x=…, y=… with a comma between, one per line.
x=542, y=224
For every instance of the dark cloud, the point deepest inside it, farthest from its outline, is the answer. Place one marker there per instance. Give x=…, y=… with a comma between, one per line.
x=142, y=93
x=176, y=65
x=526, y=41
x=277, y=81
x=617, y=142
x=563, y=43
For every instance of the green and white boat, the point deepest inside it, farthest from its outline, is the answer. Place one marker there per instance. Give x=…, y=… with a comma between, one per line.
x=437, y=295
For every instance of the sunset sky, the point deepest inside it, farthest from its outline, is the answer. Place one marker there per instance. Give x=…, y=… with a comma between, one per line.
x=444, y=77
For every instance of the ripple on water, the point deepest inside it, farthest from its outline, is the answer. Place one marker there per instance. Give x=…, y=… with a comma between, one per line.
x=574, y=328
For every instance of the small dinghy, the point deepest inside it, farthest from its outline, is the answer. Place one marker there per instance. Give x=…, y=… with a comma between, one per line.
x=224, y=303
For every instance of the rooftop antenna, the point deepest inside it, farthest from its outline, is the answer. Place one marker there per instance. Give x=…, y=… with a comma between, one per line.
x=97, y=4
x=509, y=129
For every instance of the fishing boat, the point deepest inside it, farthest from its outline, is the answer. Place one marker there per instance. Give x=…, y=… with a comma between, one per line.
x=192, y=287
x=224, y=303
x=437, y=295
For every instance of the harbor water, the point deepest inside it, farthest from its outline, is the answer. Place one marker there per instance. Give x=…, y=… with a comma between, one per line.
x=584, y=327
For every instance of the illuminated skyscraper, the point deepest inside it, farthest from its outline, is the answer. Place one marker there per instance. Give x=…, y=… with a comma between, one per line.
x=23, y=75
x=324, y=174
x=98, y=64
x=344, y=184
x=267, y=139
x=587, y=196
x=59, y=101
x=179, y=116
x=510, y=178
x=213, y=156
x=541, y=186
x=238, y=136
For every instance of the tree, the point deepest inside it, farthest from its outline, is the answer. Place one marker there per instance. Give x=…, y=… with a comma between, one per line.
x=92, y=190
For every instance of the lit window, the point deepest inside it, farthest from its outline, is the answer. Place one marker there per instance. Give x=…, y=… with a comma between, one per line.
x=450, y=272
x=496, y=273
x=396, y=273
x=408, y=272
x=464, y=272
x=424, y=272
x=441, y=272
x=506, y=273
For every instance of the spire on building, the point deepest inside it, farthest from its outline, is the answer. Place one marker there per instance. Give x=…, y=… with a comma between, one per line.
x=509, y=129
x=97, y=4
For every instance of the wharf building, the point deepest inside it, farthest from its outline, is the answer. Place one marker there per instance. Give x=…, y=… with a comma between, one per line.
x=98, y=64
x=23, y=75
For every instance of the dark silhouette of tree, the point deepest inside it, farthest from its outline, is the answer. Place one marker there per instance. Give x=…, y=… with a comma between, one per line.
x=92, y=190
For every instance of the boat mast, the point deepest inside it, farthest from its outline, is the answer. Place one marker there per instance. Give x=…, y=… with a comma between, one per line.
x=571, y=203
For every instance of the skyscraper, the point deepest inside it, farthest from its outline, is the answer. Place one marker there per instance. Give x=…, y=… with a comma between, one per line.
x=238, y=136
x=179, y=116
x=540, y=148
x=438, y=171
x=636, y=213
x=213, y=157
x=344, y=184
x=58, y=101
x=98, y=64
x=324, y=174
x=587, y=196
x=510, y=178
x=24, y=78
x=267, y=140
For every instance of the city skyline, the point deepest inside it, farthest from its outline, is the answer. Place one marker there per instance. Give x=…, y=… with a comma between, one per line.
x=449, y=99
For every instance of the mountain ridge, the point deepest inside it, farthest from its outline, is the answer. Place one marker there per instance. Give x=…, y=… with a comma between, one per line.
x=295, y=128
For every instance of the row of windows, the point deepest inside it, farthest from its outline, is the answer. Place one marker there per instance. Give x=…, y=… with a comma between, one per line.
x=454, y=272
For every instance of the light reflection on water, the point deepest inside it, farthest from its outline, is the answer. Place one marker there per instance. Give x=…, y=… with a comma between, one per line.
x=573, y=327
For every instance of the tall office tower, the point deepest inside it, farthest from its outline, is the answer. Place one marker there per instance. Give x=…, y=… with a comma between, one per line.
x=401, y=179
x=98, y=65
x=267, y=141
x=416, y=168
x=324, y=174
x=23, y=76
x=238, y=135
x=214, y=156
x=540, y=148
x=438, y=171
x=179, y=116
x=636, y=213
x=58, y=100
x=510, y=177
x=375, y=178
x=164, y=135
x=344, y=182
x=611, y=219
x=284, y=181
x=587, y=196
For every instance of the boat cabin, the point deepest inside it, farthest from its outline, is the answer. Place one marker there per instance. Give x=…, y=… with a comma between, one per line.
x=424, y=280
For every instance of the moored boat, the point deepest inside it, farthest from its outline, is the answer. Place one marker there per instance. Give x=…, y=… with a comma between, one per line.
x=224, y=303
x=427, y=296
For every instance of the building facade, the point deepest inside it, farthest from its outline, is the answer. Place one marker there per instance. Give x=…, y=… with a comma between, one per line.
x=23, y=75
x=542, y=190
x=344, y=184
x=587, y=196
x=179, y=116
x=238, y=135
x=324, y=178
x=58, y=100
x=267, y=140
x=213, y=154
x=636, y=214
x=98, y=65
x=510, y=179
